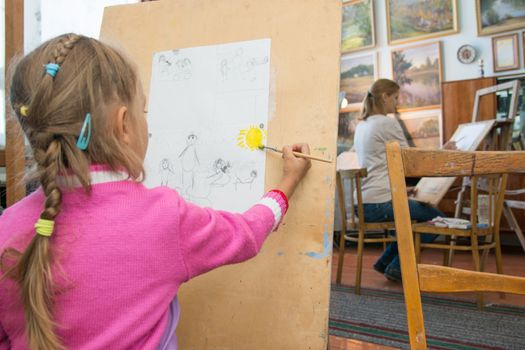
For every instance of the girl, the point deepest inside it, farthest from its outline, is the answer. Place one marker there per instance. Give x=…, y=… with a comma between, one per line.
x=93, y=259
x=370, y=136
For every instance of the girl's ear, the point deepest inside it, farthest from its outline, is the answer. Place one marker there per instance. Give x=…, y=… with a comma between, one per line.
x=122, y=125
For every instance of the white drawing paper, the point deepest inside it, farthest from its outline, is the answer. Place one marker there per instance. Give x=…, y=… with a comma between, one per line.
x=200, y=99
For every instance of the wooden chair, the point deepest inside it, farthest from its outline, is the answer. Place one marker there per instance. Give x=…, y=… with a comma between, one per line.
x=429, y=278
x=354, y=228
x=493, y=187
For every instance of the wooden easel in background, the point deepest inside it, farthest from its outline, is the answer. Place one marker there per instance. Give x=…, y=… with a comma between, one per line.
x=13, y=157
x=499, y=139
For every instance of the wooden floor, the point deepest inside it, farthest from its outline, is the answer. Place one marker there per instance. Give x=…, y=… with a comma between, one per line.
x=513, y=263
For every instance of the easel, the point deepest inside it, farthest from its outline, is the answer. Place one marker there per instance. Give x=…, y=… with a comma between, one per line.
x=499, y=138
x=297, y=258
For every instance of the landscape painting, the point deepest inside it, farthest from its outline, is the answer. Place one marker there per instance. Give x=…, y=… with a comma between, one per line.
x=417, y=70
x=423, y=131
x=345, y=132
x=411, y=20
x=357, y=32
x=496, y=16
x=357, y=75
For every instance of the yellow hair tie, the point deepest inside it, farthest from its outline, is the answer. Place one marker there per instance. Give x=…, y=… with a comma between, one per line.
x=44, y=227
x=24, y=111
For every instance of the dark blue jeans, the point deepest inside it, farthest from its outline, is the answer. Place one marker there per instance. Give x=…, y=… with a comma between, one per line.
x=381, y=212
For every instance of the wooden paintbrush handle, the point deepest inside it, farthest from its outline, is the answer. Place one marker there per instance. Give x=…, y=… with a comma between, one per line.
x=298, y=154
x=308, y=156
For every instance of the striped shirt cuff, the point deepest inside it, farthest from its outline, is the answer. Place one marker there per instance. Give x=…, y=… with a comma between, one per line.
x=277, y=202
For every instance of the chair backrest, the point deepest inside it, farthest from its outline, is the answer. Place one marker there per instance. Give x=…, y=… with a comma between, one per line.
x=353, y=176
x=419, y=277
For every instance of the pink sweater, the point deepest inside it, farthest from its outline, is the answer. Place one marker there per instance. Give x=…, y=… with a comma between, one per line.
x=122, y=253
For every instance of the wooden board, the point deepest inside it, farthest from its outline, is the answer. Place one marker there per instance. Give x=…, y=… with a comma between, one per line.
x=280, y=299
x=14, y=159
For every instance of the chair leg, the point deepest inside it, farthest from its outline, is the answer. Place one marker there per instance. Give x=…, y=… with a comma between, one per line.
x=341, y=256
x=499, y=260
x=451, y=251
x=477, y=266
x=417, y=247
x=485, y=255
x=513, y=223
x=359, y=267
x=446, y=252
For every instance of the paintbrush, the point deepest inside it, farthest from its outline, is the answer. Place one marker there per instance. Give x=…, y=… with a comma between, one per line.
x=297, y=154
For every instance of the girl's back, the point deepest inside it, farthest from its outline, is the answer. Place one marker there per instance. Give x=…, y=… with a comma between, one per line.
x=121, y=254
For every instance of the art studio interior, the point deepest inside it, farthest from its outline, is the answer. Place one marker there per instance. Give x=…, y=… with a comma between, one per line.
x=397, y=125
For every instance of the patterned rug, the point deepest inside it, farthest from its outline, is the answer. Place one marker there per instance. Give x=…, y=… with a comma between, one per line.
x=379, y=317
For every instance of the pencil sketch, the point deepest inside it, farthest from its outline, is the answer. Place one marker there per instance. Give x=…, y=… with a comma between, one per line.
x=182, y=69
x=208, y=111
x=221, y=170
x=204, y=182
x=236, y=66
x=174, y=68
x=166, y=171
x=189, y=160
x=245, y=176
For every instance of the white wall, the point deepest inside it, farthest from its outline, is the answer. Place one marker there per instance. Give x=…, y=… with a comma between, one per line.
x=77, y=16
x=452, y=68
x=44, y=19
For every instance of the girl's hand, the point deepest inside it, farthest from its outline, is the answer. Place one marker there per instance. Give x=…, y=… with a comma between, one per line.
x=450, y=145
x=294, y=168
x=412, y=191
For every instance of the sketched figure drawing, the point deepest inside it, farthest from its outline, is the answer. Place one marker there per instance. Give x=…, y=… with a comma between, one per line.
x=204, y=182
x=189, y=160
x=166, y=171
x=221, y=175
x=238, y=67
x=241, y=178
x=183, y=70
x=164, y=67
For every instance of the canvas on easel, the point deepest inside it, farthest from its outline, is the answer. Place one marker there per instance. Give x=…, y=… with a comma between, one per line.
x=468, y=137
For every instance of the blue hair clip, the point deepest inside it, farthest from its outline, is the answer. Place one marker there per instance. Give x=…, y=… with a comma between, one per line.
x=85, y=133
x=52, y=69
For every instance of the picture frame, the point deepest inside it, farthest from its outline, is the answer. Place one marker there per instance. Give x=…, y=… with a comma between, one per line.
x=418, y=71
x=358, y=26
x=346, y=130
x=505, y=52
x=358, y=73
x=422, y=130
x=492, y=18
x=413, y=20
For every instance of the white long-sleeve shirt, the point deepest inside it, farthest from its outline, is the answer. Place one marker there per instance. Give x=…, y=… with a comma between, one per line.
x=369, y=142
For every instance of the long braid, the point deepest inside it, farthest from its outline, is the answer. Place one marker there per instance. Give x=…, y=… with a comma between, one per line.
x=51, y=110
x=34, y=273
x=36, y=280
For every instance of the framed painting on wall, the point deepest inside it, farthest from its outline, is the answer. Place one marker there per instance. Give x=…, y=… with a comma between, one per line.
x=505, y=52
x=422, y=130
x=417, y=70
x=346, y=129
x=358, y=73
x=497, y=16
x=357, y=31
x=412, y=20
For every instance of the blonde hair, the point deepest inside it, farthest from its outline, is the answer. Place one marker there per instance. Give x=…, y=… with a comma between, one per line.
x=373, y=102
x=93, y=77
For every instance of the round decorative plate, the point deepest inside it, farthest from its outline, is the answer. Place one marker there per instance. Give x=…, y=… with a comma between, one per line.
x=466, y=54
